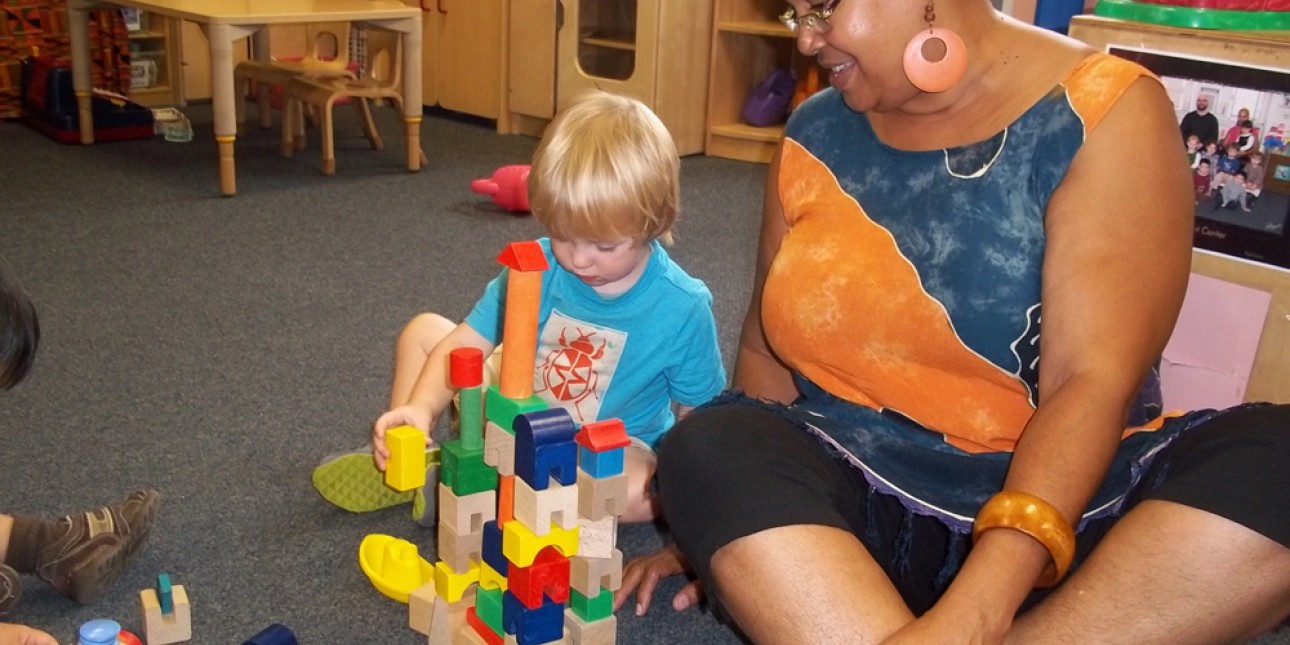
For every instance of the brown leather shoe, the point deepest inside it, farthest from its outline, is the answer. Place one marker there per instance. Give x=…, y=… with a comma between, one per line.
x=10, y=589
x=96, y=546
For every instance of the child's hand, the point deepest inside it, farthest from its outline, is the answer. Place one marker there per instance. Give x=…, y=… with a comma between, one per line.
x=410, y=415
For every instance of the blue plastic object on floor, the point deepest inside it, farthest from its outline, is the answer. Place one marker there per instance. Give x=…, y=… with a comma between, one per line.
x=275, y=634
x=99, y=632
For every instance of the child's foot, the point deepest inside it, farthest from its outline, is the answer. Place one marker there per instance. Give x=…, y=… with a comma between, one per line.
x=10, y=589
x=351, y=481
x=94, y=547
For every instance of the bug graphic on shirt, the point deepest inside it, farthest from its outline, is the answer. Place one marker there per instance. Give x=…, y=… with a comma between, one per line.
x=569, y=372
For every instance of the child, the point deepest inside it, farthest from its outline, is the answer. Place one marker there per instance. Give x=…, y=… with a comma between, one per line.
x=1194, y=152
x=80, y=554
x=1254, y=174
x=1200, y=180
x=1233, y=193
x=604, y=184
x=1210, y=154
x=1226, y=166
x=1247, y=141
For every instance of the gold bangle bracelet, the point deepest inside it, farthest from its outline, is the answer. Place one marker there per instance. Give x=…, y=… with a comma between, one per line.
x=1034, y=517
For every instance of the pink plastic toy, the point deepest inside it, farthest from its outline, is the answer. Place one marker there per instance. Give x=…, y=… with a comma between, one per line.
x=509, y=187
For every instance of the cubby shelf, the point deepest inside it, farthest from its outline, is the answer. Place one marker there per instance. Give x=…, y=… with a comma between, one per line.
x=748, y=43
x=156, y=41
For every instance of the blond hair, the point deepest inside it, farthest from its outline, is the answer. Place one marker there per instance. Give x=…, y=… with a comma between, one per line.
x=606, y=170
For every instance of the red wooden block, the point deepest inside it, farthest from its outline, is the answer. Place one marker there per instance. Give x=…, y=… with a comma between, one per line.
x=604, y=435
x=485, y=632
x=549, y=575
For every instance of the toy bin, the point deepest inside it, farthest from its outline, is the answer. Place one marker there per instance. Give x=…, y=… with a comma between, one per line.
x=49, y=105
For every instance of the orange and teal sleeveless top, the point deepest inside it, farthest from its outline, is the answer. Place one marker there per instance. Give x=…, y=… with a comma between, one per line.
x=908, y=283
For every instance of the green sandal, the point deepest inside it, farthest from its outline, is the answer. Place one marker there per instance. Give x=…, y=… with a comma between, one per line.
x=351, y=481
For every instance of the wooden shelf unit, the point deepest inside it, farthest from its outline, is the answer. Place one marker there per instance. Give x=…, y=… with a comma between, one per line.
x=653, y=50
x=748, y=43
x=157, y=40
x=463, y=54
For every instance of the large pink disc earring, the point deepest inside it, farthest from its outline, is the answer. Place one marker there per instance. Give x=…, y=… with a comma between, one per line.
x=935, y=75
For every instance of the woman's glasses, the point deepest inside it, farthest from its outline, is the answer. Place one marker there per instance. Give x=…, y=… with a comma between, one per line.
x=816, y=20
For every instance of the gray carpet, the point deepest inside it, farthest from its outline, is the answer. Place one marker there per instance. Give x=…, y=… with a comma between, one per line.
x=216, y=348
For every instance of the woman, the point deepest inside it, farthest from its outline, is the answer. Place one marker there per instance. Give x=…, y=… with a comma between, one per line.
x=915, y=222
x=1234, y=132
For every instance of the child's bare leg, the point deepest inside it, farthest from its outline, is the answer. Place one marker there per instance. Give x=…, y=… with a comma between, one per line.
x=350, y=479
x=415, y=343
x=639, y=464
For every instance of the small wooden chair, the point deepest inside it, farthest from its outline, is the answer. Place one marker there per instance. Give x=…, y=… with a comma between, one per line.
x=326, y=55
x=380, y=80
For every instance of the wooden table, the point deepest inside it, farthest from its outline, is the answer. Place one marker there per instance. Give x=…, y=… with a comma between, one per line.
x=226, y=21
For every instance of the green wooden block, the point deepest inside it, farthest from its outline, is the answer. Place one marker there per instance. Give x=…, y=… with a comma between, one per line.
x=472, y=425
x=503, y=410
x=592, y=609
x=464, y=471
x=488, y=607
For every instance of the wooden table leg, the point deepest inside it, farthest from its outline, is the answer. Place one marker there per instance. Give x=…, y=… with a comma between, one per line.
x=410, y=32
x=227, y=170
x=78, y=28
x=223, y=97
x=414, y=142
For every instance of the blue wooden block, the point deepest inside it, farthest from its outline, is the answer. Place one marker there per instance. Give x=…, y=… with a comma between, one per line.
x=275, y=634
x=544, y=448
x=533, y=626
x=492, y=549
x=544, y=427
x=600, y=464
x=538, y=467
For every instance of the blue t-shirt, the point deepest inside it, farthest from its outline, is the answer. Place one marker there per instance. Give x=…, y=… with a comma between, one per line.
x=628, y=356
x=1229, y=165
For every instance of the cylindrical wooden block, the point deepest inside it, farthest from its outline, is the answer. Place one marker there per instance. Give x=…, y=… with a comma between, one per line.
x=466, y=367
x=523, y=297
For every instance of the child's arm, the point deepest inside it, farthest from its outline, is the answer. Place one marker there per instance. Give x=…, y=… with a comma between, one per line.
x=431, y=394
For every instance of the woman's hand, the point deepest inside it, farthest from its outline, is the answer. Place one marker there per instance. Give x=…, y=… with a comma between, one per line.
x=643, y=574
x=410, y=415
x=11, y=634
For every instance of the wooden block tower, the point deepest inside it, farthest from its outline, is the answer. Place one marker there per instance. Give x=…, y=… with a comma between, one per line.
x=512, y=515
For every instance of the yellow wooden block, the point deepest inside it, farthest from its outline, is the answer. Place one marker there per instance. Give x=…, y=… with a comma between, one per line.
x=489, y=578
x=450, y=585
x=521, y=546
x=164, y=629
x=406, y=468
